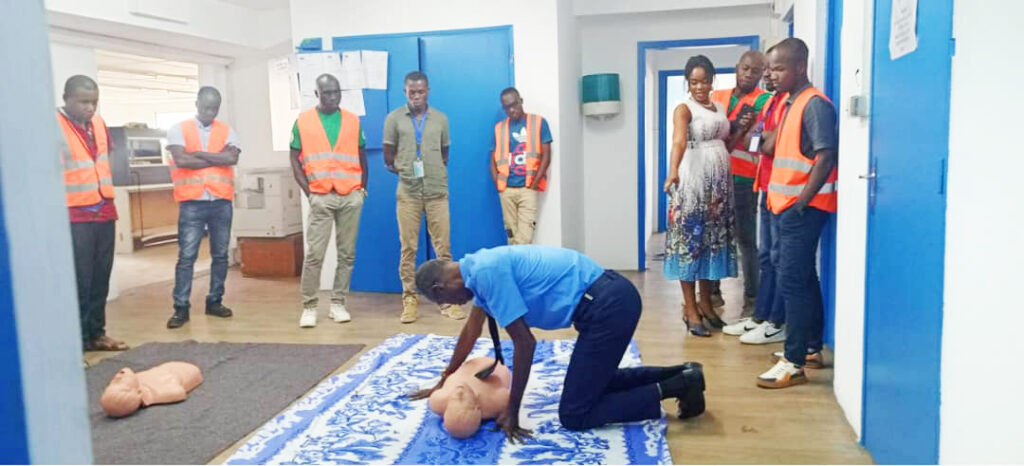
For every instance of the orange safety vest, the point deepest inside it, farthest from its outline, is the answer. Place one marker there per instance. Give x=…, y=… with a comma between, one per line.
x=741, y=162
x=791, y=169
x=86, y=181
x=502, y=158
x=330, y=168
x=189, y=183
x=770, y=121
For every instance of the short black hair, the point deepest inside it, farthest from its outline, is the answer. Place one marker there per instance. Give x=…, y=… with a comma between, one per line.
x=208, y=90
x=700, y=61
x=79, y=81
x=795, y=49
x=417, y=76
x=429, y=276
x=510, y=90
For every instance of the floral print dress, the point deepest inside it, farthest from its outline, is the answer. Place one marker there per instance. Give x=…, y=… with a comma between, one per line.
x=699, y=242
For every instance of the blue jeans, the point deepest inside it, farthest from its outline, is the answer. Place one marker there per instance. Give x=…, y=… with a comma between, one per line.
x=596, y=392
x=769, y=301
x=798, y=280
x=194, y=218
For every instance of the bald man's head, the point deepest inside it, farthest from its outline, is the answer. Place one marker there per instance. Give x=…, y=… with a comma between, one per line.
x=328, y=90
x=81, y=97
x=749, y=70
x=207, y=104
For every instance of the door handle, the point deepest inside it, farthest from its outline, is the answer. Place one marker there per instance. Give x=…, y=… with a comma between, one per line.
x=869, y=176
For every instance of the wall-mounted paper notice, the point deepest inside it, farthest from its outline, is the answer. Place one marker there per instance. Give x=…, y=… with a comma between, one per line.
x=352, y=100
x=903, y=28
x=310, y=65
x=375, y=65
x=332, y=64
x=352, y=71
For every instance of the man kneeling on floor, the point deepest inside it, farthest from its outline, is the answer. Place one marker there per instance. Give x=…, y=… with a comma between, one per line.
x=524, y=286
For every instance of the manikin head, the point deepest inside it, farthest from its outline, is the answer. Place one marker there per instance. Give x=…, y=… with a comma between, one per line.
x=462, y=417
x=124, y=394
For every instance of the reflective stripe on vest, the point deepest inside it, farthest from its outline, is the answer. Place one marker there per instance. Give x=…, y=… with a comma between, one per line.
x=86, y=181
x=329, y=168
x=741, y=162
x=791, y=169
x=503, y=159
x=191, y=183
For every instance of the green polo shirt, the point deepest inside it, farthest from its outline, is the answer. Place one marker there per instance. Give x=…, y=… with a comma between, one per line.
x=332, y=126
x=399, y=132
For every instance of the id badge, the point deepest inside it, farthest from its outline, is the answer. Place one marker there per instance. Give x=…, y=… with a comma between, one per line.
x=755, y=143
x=417, y=169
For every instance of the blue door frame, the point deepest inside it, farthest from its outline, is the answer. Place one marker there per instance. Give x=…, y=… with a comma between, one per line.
x=641, y=70
x=663, y=76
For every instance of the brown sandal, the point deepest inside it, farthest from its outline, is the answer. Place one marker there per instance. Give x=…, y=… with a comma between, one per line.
x=106, y=343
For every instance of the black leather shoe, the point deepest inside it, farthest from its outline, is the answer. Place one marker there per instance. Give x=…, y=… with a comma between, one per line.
x=179, y=318
x=217, y=310
x=691, y=402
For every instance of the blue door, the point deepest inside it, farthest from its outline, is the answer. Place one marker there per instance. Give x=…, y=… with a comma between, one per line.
x=378, y=248
x=906, y=238
x=467, y=72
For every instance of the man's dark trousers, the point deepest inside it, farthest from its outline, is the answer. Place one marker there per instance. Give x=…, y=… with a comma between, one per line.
x=596, y=391
x=93, y=247
x=798, y=280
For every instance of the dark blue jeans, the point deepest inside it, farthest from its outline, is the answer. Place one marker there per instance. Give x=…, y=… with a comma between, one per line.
x=194, y=218
x=596, y=392
x=769, y=301
x=745, y=208
x=798, y=280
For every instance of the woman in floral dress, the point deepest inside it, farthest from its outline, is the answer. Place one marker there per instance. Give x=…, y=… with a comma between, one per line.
x=699, y=244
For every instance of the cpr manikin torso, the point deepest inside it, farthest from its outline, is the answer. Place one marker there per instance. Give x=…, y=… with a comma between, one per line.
x=167, y=383
x=465, y=401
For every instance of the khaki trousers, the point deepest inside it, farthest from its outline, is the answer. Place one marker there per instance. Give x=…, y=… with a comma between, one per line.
x=519, y=210
x=410, y=210
x=327, y=211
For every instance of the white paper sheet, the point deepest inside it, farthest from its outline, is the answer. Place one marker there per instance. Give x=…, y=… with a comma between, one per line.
x=332, y=64
x=310, y=65
x=903, y=31
x=375, y=66
x=352, y=71
x=352, y=100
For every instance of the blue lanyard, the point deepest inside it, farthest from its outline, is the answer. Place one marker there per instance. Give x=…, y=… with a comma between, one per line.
x=418, y=127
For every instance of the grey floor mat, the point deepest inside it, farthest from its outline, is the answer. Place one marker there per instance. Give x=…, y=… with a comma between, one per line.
x=244, y=385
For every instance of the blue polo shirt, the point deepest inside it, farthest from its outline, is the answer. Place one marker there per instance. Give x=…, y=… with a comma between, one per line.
x=542, y=284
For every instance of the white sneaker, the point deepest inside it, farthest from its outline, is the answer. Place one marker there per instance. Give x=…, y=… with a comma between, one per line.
x=741, y=326
x=783, y=374
x=764, y=334
x=339, y=313
x=308, y=318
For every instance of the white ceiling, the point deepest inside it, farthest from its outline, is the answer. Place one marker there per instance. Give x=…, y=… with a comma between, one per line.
x=260, y=4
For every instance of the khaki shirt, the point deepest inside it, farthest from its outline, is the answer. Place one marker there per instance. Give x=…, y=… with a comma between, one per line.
x=399, y=132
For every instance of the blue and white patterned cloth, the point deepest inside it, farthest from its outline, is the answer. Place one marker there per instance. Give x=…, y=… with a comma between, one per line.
x=364, y=416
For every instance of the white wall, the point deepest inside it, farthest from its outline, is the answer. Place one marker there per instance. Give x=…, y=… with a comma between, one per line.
x=810, y=24
x=981, y=349
x=68, y=60
x=570, y=138
x=609, y=44
x=535, y=37
x=851, y=228
x=248, y=100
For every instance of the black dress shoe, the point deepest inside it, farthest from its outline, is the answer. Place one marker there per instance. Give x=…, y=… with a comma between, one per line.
x=691, y=401
x=217, y=310
x=179, y=318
